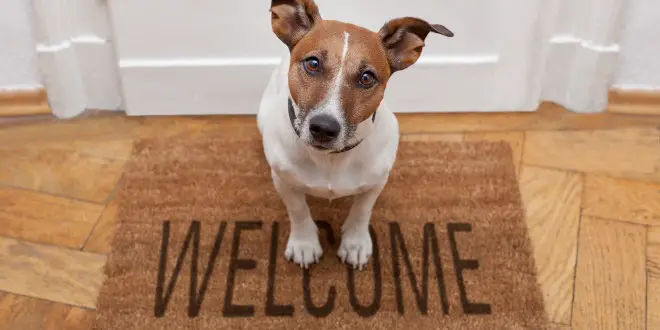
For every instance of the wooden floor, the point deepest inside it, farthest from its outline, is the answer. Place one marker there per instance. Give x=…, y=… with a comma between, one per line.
x=591, y=186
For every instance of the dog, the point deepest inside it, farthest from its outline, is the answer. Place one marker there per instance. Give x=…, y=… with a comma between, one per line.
x=325, y=128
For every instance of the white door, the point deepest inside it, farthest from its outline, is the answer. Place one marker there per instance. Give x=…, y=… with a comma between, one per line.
x=215, y=56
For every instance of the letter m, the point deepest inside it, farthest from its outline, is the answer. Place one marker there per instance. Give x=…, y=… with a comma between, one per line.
x=397, y=242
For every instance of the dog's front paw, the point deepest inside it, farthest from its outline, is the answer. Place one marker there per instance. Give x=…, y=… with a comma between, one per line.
x=355, y=248
x=303, y=251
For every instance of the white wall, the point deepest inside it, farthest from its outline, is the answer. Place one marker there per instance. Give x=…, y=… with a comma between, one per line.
x=18, y=59
x=639, y=61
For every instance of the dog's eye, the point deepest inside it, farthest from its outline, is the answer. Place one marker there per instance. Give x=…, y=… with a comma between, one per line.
x=367, y=79
x=312, y=65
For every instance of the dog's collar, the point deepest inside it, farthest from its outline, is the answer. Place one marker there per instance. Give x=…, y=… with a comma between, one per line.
x=292, y=118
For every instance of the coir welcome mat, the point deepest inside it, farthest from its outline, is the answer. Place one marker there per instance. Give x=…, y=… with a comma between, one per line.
x=201, y=236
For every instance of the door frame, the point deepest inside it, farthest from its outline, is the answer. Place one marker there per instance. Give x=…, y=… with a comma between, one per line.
x=75, y=56
x=577, y=52
x=572, y=60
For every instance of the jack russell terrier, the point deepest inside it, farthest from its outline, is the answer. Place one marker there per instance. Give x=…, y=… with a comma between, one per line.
x=326, y=131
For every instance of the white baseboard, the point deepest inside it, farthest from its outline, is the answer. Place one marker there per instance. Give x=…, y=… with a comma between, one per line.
x=579, y=73
x=80, y=74
x=75, y=56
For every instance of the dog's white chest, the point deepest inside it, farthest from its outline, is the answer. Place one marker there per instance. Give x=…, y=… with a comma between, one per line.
x=331, y=188
x=330, y=181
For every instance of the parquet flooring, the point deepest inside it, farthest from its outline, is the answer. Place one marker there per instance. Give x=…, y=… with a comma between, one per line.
x=590, y=184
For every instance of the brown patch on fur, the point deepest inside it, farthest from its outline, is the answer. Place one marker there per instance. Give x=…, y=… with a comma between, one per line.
x=292, y=19
x=309, y=91
x=404, y=37
x=365, y=51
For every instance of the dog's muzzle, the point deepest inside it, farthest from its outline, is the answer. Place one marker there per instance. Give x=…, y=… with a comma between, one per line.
x=323, y=128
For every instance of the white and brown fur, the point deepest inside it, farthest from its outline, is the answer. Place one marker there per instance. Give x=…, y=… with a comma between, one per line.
x=338, y=72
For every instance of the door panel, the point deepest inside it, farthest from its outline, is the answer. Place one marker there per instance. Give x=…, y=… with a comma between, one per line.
x=215, y=56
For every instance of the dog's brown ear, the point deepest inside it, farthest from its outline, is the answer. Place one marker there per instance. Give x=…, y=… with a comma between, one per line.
x=403, y=39
x=292, y=19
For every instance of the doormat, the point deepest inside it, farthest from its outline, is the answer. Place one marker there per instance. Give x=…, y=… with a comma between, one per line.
x=201, y=233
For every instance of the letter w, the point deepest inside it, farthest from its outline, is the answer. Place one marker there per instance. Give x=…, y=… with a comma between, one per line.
x=196, y=297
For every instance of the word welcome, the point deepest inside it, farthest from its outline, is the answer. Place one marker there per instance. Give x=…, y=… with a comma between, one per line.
x=398, y=246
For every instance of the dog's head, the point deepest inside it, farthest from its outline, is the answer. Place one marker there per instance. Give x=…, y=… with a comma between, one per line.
x=338, y=71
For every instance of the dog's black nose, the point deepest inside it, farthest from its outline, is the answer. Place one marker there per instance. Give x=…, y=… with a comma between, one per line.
x=324, y=128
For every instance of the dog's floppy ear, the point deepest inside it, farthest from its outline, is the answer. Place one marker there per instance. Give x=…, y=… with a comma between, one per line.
x=292, y=19
x=403, y=39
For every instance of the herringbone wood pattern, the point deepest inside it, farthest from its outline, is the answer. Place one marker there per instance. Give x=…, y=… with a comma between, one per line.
x=590, y=184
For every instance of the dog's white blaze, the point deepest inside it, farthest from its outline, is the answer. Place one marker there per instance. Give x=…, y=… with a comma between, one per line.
x=343, y=61
x=334, y=97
